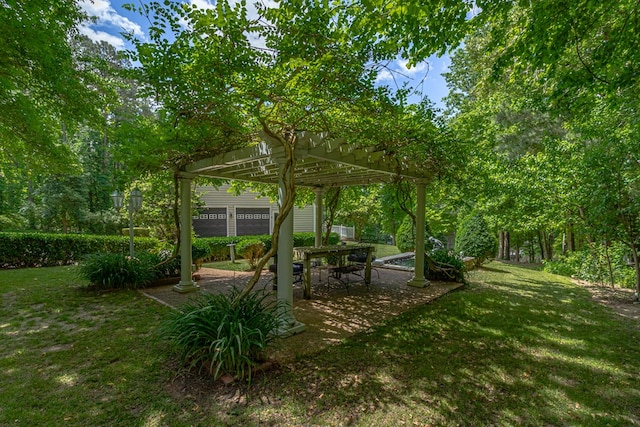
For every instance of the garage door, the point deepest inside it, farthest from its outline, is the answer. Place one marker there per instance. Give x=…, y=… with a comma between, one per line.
x=252, y=221
x=210, y=222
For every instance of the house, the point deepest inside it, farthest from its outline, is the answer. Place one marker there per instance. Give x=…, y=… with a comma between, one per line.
x=224, y=214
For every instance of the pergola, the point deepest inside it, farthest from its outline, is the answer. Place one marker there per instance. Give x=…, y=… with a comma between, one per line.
x=321, y=162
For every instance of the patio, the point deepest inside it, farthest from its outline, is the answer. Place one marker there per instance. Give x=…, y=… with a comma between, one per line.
x=332, y=314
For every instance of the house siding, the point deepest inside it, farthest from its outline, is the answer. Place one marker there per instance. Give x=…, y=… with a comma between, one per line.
x=303, y=218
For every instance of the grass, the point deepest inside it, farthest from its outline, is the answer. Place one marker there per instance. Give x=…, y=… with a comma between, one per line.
x=517, y=347
x=238, y=265
x=385, y=250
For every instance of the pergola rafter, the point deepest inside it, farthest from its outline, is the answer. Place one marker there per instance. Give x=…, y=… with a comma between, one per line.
x=320, y=162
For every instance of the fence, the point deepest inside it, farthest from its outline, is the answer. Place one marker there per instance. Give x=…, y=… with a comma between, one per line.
x=344, y=231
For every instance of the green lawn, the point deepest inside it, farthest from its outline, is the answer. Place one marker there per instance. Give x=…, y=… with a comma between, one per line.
x=517, y=347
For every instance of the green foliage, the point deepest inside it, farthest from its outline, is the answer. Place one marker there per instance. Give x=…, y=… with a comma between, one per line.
x=219, y=249
x=105, y=222
x=359, y=206
x=137, y=231
x=10, y=222
x=445, y=266
x=118, y=271
x=64, y=203
x=42, y=83
x=596, y=264
x=474, y=239
x=251, y=250
x=200, y=250
x=564, y=266
x=406, y=236
x=19, y=250
x=223, y=333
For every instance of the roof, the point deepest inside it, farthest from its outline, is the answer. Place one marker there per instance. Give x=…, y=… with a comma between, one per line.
x=321, y=161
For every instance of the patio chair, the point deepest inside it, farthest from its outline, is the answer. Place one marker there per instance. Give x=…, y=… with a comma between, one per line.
x=298, y=276
x=359, y=260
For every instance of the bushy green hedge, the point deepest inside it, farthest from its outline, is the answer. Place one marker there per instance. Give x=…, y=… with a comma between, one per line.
x=219, y=246
x=20, y=250
x=474, y=239
x=592, y=264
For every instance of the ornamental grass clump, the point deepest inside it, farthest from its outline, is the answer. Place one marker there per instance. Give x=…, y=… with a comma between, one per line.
x=226, y=334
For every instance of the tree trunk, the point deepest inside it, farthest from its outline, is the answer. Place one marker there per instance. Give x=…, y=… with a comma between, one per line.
x=288, y=143
x=609, y=266
x=636, y=265
x=331, y=205
x=500, y=245
x=549, y=246
x=507, y=247
x=541, y=244
x=532, y=249
x=571, y=238
x=65, y=224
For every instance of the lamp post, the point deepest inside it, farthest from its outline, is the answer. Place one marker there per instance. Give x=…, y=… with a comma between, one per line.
x=135, y=203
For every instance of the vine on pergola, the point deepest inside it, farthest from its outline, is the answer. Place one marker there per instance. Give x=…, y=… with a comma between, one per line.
x=220, y=78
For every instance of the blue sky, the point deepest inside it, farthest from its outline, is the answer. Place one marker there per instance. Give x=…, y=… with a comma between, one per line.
x=112, y=20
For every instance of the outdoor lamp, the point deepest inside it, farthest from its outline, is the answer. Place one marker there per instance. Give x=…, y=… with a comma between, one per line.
x=135, y=202
x=117, y=198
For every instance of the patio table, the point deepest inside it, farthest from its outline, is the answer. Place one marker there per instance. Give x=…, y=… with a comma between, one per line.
x=307, y=253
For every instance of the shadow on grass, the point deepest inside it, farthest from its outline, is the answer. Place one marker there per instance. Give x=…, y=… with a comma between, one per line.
x=530, y=351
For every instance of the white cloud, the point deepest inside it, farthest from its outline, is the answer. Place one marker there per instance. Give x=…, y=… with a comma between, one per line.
x=106, y=16
x=384, y=75
x=399, y=71
x=98, y=36
x=420, y=67
x=202, y=4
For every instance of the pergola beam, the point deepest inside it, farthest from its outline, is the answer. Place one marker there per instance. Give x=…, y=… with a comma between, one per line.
x=321, y=162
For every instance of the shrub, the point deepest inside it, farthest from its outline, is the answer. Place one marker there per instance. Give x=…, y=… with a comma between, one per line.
x=445, y=266
x=560, y=267
x=19, y=250
x=219, y=246
x=251, y=250
x=223, y=333
x=474, y=239
x=592, y=264
x=199, y=252
x=406, y=236
x=11, y=222
x=117, y=271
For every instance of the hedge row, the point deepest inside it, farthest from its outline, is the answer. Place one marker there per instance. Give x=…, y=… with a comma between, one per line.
x=219, y=246
x=19, y=250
